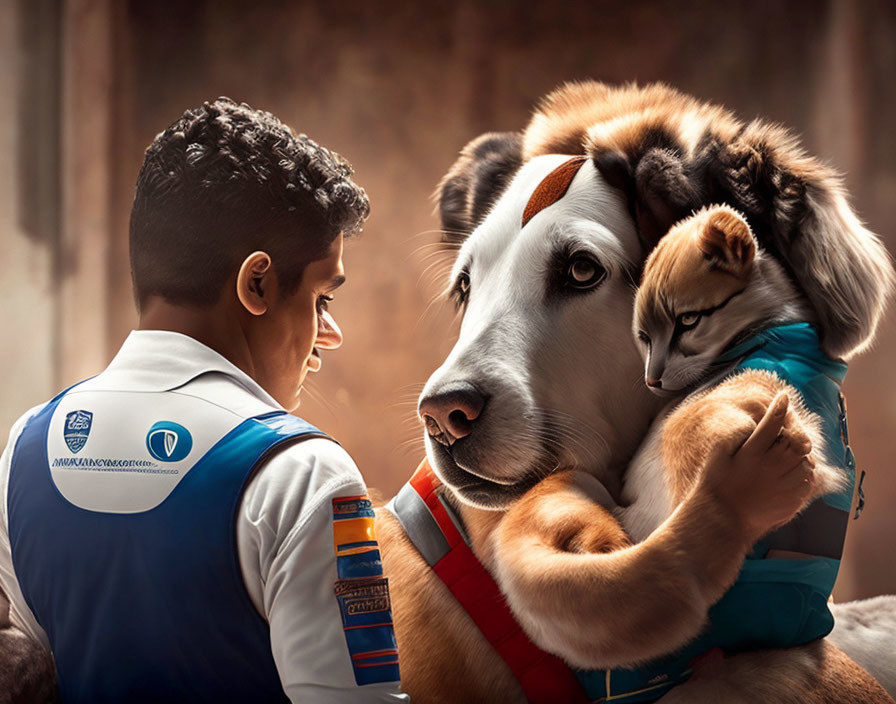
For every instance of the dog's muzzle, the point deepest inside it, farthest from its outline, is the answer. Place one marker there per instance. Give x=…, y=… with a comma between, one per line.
x=449, y=412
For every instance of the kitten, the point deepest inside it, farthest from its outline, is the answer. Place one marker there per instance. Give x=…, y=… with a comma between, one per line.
x=723, y=330
x=708, y=290
x=704, y=287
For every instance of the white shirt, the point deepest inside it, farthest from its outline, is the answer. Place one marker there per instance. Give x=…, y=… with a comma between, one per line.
x=284, y=526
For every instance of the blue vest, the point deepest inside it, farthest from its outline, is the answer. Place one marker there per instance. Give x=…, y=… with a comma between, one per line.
x=149, y=606
x=774, y=603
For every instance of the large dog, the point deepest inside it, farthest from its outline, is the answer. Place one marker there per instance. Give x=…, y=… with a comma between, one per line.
x=544, y=378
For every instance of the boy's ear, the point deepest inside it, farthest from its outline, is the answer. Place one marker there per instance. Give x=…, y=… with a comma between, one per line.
x=726, y=241
x=253, y=281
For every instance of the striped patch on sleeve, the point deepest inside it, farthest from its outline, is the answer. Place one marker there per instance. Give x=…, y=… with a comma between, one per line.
x=363, y=592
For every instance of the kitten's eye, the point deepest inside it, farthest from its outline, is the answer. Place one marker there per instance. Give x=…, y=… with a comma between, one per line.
x=584, y=272
x=686, y=321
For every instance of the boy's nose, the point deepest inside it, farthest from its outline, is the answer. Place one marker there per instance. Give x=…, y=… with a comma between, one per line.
x=329, y=336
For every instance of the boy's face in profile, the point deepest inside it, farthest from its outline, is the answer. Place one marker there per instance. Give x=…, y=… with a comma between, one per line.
x=294, y=331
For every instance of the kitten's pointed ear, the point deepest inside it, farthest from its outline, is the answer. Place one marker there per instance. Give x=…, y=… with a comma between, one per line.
x=725, y=239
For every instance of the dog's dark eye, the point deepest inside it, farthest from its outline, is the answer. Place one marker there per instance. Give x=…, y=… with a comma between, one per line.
x=461, y=291
x=584, y=272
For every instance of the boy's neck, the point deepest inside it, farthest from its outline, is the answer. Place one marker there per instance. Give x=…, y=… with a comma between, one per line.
x=216, y=326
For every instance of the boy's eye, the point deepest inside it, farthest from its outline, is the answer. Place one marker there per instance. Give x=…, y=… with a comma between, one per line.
x=322, y=303
x=686, y=321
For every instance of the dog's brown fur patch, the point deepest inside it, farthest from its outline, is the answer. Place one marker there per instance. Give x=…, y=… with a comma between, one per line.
x=552, y=188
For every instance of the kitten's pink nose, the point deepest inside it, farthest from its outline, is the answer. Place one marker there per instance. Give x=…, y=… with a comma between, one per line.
x=654, y=383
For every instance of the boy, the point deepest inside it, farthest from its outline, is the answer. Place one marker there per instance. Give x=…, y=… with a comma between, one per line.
x=167, y=530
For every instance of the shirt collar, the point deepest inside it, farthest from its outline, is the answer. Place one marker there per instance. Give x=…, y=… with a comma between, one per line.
x=161, y=360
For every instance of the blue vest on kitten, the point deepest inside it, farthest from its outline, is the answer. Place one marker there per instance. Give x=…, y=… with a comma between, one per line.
x=774, y=603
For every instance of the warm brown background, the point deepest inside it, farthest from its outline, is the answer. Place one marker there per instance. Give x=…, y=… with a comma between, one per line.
x=398, y=88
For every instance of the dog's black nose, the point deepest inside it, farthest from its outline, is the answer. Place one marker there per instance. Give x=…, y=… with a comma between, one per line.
x=449, y=412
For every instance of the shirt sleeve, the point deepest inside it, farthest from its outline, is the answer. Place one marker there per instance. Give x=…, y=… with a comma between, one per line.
x=320, y=588
x=19, y=613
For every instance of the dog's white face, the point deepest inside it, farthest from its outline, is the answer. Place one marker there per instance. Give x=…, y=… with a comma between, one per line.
x=545, y=373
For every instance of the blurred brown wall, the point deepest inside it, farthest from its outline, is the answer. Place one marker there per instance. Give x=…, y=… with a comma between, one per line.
x=398, y=88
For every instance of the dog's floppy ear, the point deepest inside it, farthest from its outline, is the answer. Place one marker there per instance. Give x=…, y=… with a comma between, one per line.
x=799, y=212
x=475, y=181
x=655, y=179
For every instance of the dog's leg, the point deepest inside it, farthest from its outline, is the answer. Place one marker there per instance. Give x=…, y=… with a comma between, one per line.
x=616, y=607
x=725, y=412
x=818, y=673
x=444, y=656
x=27, y=673
x=866, y=631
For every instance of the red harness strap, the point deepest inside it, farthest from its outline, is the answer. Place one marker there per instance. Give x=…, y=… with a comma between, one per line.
x=545, y=679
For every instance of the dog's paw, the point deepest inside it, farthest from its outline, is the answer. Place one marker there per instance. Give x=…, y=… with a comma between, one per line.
x=826, y=479
x=565, y=511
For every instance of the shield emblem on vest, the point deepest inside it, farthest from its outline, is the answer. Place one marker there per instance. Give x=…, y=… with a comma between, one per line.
x=76, y=429
x=168, y=441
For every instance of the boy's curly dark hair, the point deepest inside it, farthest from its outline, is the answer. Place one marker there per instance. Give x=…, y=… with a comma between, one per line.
x=226, y=180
